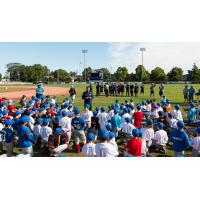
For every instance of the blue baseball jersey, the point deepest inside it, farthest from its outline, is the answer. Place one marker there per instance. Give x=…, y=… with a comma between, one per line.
x=39, y=90
x=78, y=123
x=116, y=121
x=16, y=123
x=192, y=114
x=9, y=135
x=180, y=140
x=25, y=136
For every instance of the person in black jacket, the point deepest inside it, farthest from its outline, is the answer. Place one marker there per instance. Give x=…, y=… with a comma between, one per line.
x=87, y=96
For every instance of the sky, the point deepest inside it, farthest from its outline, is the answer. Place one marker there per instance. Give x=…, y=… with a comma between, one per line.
x=68, y=55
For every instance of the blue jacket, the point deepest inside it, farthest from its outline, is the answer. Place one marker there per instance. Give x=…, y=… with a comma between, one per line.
x=25, y=137
x=78, y=123
x=9, y=136
x=180, y=140
x=116, y=121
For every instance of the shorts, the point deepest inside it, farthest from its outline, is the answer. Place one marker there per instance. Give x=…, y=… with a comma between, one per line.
x=79, y=135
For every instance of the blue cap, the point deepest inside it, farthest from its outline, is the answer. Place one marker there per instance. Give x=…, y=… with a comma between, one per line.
x=109, y=127
x=90, y=136
x=77, y=111
x=34, y=109
x=39, y=120
x=138, y=107
x=158, y=104
x=4, y=103
x=8, y=122
x=17, y=112
x=28, y=105
x=160, y=113
x=24, y=119
x=135, y=132
x=116, y=111
x=54, y=97
x=64, y=112
x=125, y=110
x=57, y=105
x=103, y=109
x=111, y=135
x=159, y=125
x=42, y=109
x=4, y=112
x=97, y=109
x=28, y=112
x=52, y=104
x=131, y=100
x=149, y=122
x=127, y=120
x=177, y=106
x=180, y=124
x=95, y=113
x=66, y=105
x=58, y=131
x=104, y=133
x=46, y=120
x=87, y=106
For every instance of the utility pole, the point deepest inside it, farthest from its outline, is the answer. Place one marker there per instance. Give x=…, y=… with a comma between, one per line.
x=142, y=50
x=84, y=51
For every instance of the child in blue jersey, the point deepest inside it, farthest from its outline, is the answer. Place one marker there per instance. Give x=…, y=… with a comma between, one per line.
x=78, y=125
x=180, y=139
x=192, y=114
x=7, y=138
x=116, y=122
x=25, y=137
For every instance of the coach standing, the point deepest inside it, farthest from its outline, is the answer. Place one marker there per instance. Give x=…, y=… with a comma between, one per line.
x=87, y=96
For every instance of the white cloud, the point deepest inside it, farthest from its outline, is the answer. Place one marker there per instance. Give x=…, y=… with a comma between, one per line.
x=166, y=55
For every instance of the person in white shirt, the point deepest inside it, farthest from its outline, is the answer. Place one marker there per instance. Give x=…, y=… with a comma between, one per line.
x=111, y=112
x=148, y=133
x=87, y=115
x=127, y=128
x=37, y=129
x=53, y=100
x=65, y=125
x=196, y=144
x=125, y=115
x=160, y=138
x=103, y=148
x=154, y=113
x=172, y=121
x=45, y=131
x=177, y=113
x=88, y=149
x=103, y=118
x=112, y=140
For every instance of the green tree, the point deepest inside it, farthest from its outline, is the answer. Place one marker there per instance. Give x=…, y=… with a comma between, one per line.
x=121, y=73
x=61, y=75
x=158, y=74
x=194, y=74
x=0, y=76
x=176, y=74
x=87, y=71
x=106, y=73
x=141, y=73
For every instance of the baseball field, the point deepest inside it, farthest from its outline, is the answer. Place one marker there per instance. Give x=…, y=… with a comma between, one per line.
x=174, y=92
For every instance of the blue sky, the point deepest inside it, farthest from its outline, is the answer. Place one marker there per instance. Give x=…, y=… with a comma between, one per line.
x=111, y=55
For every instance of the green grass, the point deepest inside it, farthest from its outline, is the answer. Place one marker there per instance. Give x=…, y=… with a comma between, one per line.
x=174, y=92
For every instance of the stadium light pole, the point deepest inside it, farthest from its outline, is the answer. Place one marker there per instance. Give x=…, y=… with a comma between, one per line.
x=84, y=51
x=142, y=50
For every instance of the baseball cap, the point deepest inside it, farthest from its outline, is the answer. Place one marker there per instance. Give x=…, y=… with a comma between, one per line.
x=159, y=125
x=8, y=122
x=116, y=111
x=40, y=120
x=28, y=105
x=135, y=132
x=109, y=127
x=46, y=120
x=95, y=113
x=24, y=119
x=97, y=109
x=54, y=97
x=111, y=135
x=160, y=113
x=103, y=109
x=17, y=112
x=87, y=106
x=127, y=120
x=149, y=122
x=138, y=107
x=77, y=111
x=180, y=124
x=104, y=134
x=176, y=106
x=90, y=136
x=125, y=110
x=4, y=112
x=64, y=112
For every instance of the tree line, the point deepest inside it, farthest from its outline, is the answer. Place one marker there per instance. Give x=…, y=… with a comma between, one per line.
x=36, y=72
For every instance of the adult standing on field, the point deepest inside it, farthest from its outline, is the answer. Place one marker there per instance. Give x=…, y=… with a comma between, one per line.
x=152, y=90
x=72, y=93
x=87, y=96
x=161, y=90
x=185, y=93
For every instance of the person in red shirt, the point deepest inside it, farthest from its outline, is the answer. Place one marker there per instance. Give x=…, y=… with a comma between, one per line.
x=52, y=109
x=11, y=107
x=134, y=145
x=138, y=117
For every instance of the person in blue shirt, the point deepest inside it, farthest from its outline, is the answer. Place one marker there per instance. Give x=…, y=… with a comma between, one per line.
x=25, y=137
x=116, y=122
x=87, y=96
x=191, y=93
x=7, y=137
x=40, y=91
x=78, y=125
x=180, y=139
x=192, y=114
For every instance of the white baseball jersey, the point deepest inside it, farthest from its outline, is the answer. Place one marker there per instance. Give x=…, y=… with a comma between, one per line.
x=147, y=134
x=103, y=120
x=65, y=124
x=112, y=142
x=144, y=148
x=172, y=123
x=53, y=101
x=87, y=116
x=105, y=150
x=110, y=114
x=177, y=114
x=127, y=128
x=125, y=116
x=196, y=143
x=45, y=131
x=31, y=123
x=37, y=129
x=88, y=150
x=161, y=137
x=148, y=108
